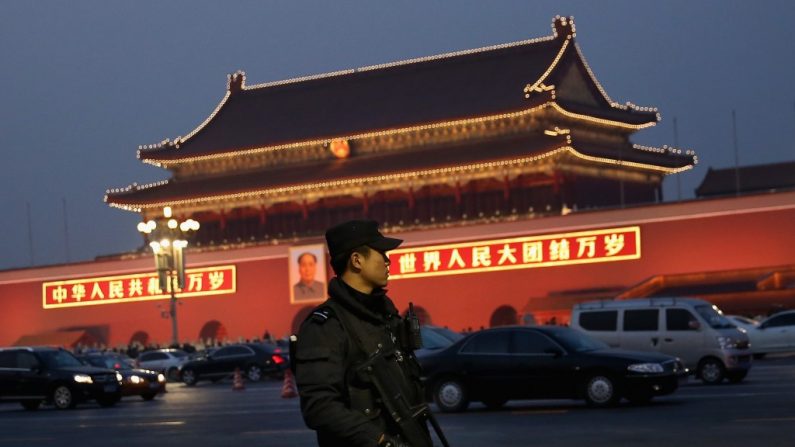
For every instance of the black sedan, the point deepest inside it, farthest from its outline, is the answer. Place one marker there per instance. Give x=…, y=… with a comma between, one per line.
x=135, y=382
x=528, y=362
x=254, y=360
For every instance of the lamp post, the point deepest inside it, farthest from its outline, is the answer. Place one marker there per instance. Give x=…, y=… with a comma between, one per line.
x=168, y=238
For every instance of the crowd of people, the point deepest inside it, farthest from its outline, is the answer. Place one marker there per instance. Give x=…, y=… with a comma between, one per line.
x=135, y=348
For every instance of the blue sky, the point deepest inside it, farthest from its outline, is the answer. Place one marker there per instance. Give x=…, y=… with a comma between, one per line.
x=84, y=83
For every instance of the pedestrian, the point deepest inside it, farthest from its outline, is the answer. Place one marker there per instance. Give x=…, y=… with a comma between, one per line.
x=357, y=322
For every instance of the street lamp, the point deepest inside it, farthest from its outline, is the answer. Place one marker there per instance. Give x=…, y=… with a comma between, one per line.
x=168, y=238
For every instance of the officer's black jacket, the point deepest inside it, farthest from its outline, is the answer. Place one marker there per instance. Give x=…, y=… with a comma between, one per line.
x=334, y=400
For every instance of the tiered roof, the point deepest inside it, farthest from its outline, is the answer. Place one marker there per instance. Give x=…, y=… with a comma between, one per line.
x=540, y=76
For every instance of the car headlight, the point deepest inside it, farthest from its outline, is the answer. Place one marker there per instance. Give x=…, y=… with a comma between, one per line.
x=135, y=379
x=727, y=342
x=645, y=368
x=161, y=378
x=83, y=378
x=119, y=377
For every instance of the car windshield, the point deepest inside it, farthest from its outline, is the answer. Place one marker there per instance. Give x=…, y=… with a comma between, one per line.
x=108, y=362
x=714, y=317
x=447, y=333
x=60, y=359
x=179, y=354
x=746, y=320
x=433, y=340
x=575, y=341
x=117, y=363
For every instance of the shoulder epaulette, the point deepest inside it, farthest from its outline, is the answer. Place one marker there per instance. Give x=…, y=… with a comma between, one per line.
x=321, y=315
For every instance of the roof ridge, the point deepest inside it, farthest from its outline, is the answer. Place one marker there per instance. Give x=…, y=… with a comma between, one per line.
x=415, y=60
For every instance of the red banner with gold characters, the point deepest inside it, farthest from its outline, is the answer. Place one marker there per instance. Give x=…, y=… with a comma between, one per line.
x=607, y=245
x=137, y=287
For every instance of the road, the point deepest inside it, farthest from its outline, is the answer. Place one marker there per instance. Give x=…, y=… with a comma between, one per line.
x=759, y=411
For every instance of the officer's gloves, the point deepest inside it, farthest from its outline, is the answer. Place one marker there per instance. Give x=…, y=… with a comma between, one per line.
x=391, y=441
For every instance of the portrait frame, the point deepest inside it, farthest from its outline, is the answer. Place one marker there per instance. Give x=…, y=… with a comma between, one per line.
x=307, y=294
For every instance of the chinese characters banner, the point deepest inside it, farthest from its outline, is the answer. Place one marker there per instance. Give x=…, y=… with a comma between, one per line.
x=137, y=287
x=613, y=244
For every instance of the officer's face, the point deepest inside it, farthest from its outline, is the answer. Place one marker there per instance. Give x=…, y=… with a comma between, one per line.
x=375, y=268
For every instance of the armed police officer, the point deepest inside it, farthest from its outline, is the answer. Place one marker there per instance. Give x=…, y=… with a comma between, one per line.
x=354, y=364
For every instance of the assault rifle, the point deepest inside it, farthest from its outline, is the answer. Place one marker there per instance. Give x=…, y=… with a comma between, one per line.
x=410, y=419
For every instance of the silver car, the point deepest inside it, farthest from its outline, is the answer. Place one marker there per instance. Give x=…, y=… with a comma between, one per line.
x=773, y=335
x=166, y=361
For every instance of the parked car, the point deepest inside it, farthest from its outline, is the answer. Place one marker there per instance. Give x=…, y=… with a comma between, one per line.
x=774, y=334
x=693, y=330
x=166, y=361
x=32, y=375
x=254, y=360
x=135, y=382
x=527, y=362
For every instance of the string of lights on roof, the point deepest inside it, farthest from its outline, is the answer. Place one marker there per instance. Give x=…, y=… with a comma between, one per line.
x=534, y=87
x=134, y=187
x=665, y=149
x=239, y=78
x=530, y=88
x=398, y=177
x=596, y=120
x=557, y=131
x=462, y=122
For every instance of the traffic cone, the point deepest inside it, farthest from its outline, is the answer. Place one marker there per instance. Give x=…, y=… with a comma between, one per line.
x=237, y=383
x=288, y=389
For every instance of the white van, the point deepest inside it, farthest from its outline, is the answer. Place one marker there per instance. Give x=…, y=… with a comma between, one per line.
x=693, y=330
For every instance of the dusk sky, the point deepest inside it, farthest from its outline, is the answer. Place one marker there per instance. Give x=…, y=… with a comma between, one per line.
x=84, y=83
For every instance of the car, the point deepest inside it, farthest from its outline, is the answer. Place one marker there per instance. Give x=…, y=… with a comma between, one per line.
x=528, y=362
x=691, y=329
x=775, y=334
x=166, y=361
x=135, y=382
x=253, y=360
x=33, y=375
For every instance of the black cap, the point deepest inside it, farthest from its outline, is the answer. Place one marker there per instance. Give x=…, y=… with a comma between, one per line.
x=343, y=238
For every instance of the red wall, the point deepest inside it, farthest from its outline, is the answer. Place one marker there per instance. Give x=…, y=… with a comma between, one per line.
x=675, y=238
x=698, y=245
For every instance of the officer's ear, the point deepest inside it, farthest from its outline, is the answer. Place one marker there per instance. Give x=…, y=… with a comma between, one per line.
x=357, y=258
x=356, y=261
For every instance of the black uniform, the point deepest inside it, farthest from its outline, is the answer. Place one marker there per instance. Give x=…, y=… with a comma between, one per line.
x=336, y=401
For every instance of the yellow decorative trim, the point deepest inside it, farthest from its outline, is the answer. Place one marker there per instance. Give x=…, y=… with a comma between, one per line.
x=330, y=185
x=179, y=140
x=537, y=85
x=602, y=121
x=403, y=130
x=557, y=131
